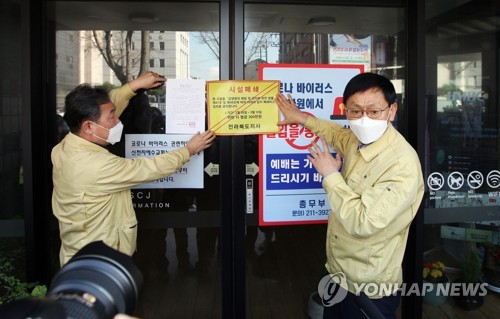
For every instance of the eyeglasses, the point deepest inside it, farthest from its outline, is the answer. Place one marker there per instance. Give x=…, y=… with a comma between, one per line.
x=371, y=113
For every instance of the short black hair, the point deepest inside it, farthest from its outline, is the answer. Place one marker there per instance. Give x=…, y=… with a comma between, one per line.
x=366, y=81
x=83, y=103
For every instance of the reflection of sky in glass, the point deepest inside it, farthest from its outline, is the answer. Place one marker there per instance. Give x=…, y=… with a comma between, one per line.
x=204, y=64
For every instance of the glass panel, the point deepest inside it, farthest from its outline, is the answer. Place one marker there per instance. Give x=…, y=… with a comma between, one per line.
x=178, y=226
x=12, y=244
x=285, y=263
x=462, y=156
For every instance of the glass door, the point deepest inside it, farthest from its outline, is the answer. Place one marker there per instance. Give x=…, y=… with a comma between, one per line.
x=285, y=242
x=462, y=160
x=108, y=44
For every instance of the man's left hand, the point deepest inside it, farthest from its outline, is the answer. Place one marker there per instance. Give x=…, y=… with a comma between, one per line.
x=322, y=160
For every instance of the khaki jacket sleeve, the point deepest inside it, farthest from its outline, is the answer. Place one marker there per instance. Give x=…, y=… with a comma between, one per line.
x=120, y=97
x=335, y=135
x=118, y=173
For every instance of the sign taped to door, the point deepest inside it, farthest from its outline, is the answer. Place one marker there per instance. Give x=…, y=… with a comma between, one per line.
x=242, y=107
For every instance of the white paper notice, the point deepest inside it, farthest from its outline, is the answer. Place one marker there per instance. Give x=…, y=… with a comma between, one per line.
x=185, y=106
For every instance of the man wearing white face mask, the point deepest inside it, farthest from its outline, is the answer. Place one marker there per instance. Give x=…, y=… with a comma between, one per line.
x=114, y=133
x=374, y=197
x=91, y=197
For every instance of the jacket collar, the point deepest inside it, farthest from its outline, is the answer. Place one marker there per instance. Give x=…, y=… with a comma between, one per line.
x=370, y=151
x=83, y=143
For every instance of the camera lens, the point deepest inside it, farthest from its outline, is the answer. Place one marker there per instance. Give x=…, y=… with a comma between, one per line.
x=98, y=282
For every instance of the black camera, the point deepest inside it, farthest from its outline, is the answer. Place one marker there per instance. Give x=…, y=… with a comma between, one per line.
x=97, y=283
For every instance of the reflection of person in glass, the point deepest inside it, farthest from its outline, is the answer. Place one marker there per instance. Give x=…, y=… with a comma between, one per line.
x=91, y=196
x=374, y=197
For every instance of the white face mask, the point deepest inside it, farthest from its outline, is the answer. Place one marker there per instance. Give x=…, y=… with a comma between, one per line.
x=114, y=135
x=367, y=130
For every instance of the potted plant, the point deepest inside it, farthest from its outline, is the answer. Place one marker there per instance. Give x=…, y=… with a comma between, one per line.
x=470, y=298
x=434, y=279
x=12, y=287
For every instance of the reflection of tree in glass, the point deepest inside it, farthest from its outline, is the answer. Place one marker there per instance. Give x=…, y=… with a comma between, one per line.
x=255, y=42
x=116, y=48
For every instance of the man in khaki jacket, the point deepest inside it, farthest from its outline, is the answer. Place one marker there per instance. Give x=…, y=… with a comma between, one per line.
x=373, y=198
x=91, y=197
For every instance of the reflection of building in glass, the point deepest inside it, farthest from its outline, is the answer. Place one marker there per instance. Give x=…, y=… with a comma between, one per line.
x=459, y=81
x=252, y=69
x=377, y=52
x=78, y=59
x=463, y=71
x=169, y=53
x=304, y=48
x=67, y=63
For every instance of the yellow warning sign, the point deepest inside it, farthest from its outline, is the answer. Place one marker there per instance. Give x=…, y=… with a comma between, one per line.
x=242, y=107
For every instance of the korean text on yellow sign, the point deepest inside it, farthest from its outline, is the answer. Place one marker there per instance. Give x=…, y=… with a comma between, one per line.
x=242, y=107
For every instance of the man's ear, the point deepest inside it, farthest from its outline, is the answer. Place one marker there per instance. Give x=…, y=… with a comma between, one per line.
x=85, y=128
x=394, y=110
